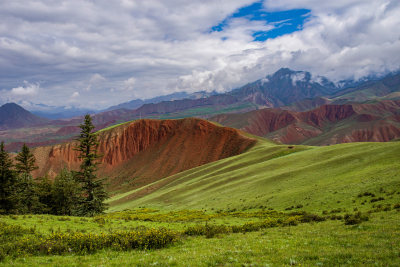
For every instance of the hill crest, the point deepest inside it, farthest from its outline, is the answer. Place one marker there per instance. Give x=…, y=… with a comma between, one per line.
x=144, y=151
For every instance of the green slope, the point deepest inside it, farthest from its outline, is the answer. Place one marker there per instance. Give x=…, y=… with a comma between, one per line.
x=277, y=176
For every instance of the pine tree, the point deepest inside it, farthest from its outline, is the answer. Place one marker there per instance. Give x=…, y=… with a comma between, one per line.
x=66, y=194
x=25, y=196
x=44, y=191
x=7, y=180
x=26, y=162
x=93, y=188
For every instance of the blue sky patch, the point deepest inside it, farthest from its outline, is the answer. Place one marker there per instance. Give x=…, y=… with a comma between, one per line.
x=284, y=22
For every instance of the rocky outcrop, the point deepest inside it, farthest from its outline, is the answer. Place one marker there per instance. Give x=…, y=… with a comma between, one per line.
x=141, y=152
x=328, y=124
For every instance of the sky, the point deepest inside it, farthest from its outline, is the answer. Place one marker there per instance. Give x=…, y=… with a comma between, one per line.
x=98, y=53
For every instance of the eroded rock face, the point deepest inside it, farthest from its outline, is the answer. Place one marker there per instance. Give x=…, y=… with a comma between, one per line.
x=147, y=150
x=328, y=124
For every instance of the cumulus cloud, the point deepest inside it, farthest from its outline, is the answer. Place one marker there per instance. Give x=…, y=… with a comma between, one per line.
x=129, y=84
x=27, y=89
x=20, y=93
x=113, y=51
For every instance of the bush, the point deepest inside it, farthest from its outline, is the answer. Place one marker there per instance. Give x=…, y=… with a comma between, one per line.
x=308, y=217
x=357, y=218
x=366, y=194
x=80, y=243
x=207, y=230
x=377, y=199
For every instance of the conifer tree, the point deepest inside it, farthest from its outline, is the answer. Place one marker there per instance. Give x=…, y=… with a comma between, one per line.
x=7, y=180
x=24, y=196
x=44, y=192
x=66, y=194
x=26, y=162
x=94, y=193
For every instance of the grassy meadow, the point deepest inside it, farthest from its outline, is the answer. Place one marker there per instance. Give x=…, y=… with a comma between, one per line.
x=274, y=205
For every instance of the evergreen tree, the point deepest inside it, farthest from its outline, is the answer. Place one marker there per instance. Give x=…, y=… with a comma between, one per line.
x=25, y=197
x=26, y=162
x=7, y=180
x=66, y=194
x=44, y=191
x=94, y=193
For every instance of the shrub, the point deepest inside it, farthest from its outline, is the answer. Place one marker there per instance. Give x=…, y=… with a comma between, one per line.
x=207, y=230
x=377, y=199
x=308, y=217
x=366, y=194
x=357, y=218
x=80, y=243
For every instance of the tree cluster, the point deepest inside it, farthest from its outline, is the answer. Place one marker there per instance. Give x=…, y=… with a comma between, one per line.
x=78, y=193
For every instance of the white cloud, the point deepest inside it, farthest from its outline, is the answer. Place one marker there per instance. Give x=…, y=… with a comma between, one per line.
x=94, y=46
x=129, y=84
x=27, y=89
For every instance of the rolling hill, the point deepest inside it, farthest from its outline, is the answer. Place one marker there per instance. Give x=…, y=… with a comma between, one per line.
x=141, y=152
x=278, y=177
x=377, y=121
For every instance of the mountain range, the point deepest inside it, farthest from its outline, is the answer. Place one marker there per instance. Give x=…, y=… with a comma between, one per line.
x=284, y=94
x=377, y=121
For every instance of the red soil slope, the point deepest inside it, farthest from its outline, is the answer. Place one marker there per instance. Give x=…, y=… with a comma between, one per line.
x=328, y=124
x=144, y=151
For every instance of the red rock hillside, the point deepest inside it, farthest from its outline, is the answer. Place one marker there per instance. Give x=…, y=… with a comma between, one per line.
x=141, y=152
x=328, y=124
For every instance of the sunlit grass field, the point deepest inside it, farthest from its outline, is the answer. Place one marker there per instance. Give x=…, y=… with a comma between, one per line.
x=275, y=205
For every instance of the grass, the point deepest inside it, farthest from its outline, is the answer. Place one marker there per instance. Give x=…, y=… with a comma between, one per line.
x=269, y=183
x=113, y=126
x=279, y=177
x=329, y=243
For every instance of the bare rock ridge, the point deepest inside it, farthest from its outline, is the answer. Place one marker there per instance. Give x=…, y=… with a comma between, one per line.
x=328, y=124
x=144, y=151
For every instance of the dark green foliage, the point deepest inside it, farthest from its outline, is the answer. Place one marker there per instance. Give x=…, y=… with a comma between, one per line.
x=66, y=194
x=26, y=162
x=356, y=218
x=377, y=199
x=94, y=193
x=7, y=180
x=43, y=190
x=366, y=194
x=25, y=196
x=308, y=217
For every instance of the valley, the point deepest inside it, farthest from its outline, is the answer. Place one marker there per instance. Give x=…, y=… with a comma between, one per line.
x=272, y=203
x=228, y=179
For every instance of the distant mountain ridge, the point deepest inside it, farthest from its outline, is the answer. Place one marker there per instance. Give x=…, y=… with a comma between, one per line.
x=14, y=116
x=377, y=121
x=297, y=91
x=137, y=103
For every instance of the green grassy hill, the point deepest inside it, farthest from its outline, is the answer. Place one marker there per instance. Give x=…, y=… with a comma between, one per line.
x=278, y=177
x=274, y=205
